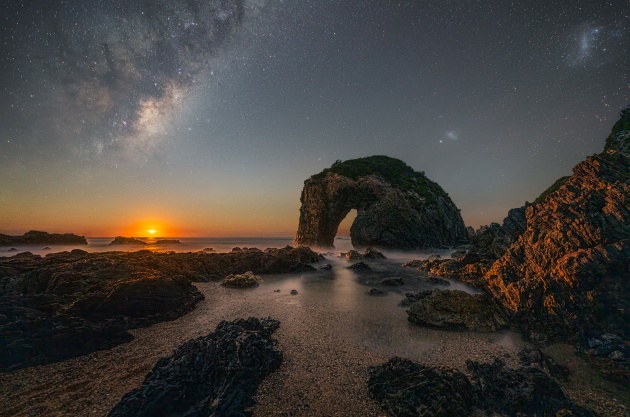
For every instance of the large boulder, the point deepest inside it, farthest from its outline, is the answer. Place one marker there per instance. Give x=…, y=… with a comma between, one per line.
x=455, y=309
x=397, y=207
x=214, y=375
x=407, y=389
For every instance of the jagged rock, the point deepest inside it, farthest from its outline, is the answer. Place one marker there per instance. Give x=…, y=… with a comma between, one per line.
x=455, y=309
x=215, y=375
x=127, y=241
x=168, y=242
x=42, y=238
x=438, y=281
x=522, y=391
x=412, y=297
x=407, y=389
x=301, y=254
x=246, y=280
x=73, y=303
x=397, y=207
x=353, y=255
x=392, y=281
x=360, y=266
x=373, y=254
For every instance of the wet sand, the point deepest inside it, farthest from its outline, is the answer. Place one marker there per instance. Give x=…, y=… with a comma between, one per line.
x=330, y=333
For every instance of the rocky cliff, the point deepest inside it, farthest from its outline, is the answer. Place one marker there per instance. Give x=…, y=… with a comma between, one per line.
x=566, y=272
x=397, y=207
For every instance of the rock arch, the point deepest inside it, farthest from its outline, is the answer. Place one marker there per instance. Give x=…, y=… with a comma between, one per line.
x=397, y=208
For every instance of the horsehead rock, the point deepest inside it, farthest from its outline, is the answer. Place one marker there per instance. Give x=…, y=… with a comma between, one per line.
x=397, y=207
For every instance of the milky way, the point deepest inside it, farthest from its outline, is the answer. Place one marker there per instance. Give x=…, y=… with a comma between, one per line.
x=210, y=114
x=110, y=74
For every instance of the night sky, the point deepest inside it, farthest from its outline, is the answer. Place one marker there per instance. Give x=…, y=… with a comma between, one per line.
x=201, y=117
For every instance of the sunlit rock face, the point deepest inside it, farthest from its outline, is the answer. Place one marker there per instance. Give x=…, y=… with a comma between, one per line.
x=568, y=273
x=397, y=208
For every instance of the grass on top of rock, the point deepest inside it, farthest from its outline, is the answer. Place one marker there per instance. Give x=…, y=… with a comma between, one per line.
x=392, y=170
x=621, y=125
x=559, y=183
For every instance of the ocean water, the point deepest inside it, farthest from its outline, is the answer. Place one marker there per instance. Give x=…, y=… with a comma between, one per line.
x=195, y=244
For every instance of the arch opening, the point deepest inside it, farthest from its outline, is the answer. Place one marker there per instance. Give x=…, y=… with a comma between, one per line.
x=343, y=229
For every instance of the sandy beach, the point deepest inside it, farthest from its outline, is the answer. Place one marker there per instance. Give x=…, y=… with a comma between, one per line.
x=330, y=333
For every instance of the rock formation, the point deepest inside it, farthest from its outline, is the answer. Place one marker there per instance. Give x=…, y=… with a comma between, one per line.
x=214, y=375
x=72, y=303
x=127, y=241
x=565, y=270
x=397, y=208
x=454, y=309
x=246, y=280
x=42, y=238
x=407, y=389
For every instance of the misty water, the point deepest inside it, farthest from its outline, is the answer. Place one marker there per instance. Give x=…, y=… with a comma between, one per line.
x=377, y=323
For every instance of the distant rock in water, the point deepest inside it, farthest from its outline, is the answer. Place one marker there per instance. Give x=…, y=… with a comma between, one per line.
x=12, y=250
x=127, y=241
x=42, y=238
x=215, y=375
x=397, y=207
x=168, y=242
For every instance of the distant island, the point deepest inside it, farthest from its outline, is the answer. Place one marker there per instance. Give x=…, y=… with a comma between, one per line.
x=120, y=240
x=35, y=237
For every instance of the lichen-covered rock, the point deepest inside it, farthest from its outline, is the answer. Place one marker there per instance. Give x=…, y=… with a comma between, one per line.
x=455, y=309
x=215, y=375
x=246, y=280
x=397, y=207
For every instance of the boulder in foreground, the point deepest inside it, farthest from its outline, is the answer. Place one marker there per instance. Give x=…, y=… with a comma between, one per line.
x=214, y=375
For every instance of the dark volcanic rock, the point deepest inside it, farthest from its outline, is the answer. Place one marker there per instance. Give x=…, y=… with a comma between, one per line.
x=168, y=242
x=42, y=238
x=397, y=207
x=246, y=280
x=407, y=389
x=216, y=375
x=373, y=254
x=455, y=309
x=127, y=241
x=392, y=281
x=412, y=297
x=91, y=299
x=360, y=266
x=525, y=391
x=353, y=255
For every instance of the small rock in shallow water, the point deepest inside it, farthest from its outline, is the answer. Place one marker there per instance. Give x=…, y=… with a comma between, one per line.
x=294, y=292
x=392, y=281
x=375, y=291
x=325, y=267
x=276, y=290
x=248, y=279
x=360, y=266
